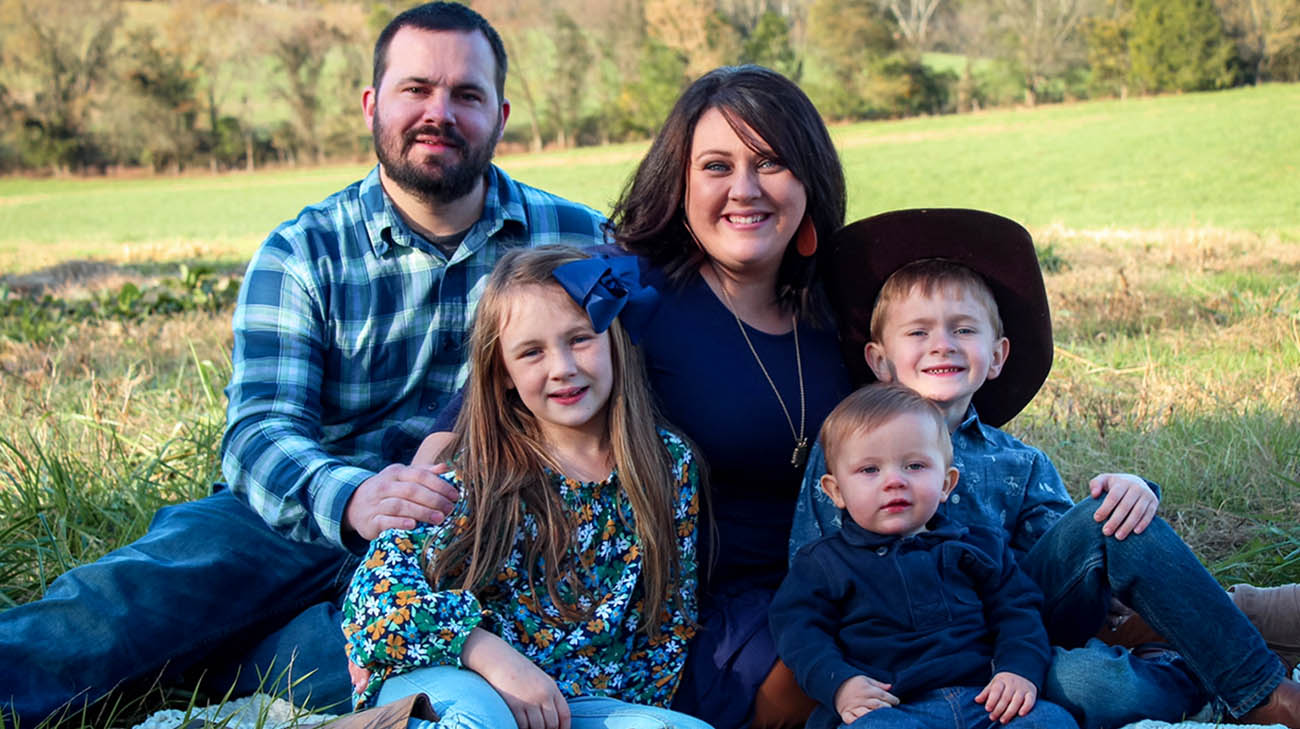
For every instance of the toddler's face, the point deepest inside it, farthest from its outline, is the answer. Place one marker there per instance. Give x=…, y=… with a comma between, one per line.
x=892, y=477
x=943, y=346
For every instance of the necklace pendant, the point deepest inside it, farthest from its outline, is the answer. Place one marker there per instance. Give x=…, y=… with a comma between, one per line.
x=800, y=454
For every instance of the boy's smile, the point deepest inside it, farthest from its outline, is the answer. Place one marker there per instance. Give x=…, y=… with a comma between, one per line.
x=943, y=346
x=892, y=477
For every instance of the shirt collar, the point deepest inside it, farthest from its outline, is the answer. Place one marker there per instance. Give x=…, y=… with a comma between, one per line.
x=939, y=528
x=503, y=204
x=971, y=427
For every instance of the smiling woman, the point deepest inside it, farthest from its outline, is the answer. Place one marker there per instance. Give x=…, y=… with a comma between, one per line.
x=740, y=354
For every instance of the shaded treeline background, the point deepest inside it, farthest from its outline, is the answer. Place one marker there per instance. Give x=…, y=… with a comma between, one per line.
x=95, y=85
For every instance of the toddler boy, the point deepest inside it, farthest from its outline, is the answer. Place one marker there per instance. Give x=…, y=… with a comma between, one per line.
x=935, y=300
x=903, y=618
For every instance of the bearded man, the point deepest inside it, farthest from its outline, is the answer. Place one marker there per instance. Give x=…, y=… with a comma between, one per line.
x=349, y=336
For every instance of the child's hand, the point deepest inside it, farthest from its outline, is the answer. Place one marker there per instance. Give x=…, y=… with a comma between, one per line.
x=1129, y=506
x=1007, y=696
x=360, y=677
x=532, y=695
x=859, y=695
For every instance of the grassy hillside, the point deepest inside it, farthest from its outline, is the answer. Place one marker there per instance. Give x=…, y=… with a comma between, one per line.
x=1223, y=160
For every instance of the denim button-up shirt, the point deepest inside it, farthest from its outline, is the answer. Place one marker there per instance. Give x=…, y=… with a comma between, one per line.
x=1003, y=484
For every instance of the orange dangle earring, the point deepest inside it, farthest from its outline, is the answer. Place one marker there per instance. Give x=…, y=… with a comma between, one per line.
x=805, y=239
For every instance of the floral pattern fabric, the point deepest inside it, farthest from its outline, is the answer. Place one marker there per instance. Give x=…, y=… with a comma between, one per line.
x=395, y=621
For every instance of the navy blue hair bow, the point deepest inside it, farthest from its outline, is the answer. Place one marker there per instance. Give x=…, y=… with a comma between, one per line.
x=610, y=287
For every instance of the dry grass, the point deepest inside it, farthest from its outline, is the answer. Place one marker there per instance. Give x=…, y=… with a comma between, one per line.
x=141, y=382
x=1178, y=357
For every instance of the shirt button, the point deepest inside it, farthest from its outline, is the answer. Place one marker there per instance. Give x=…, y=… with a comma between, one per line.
x=955, y=498
x=882, y=551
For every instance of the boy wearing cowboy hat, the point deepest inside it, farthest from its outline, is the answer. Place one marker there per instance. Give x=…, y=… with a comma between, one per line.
x=936, y=300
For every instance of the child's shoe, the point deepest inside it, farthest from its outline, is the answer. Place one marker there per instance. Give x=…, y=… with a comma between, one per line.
x=412, y=711
x=1275, y=612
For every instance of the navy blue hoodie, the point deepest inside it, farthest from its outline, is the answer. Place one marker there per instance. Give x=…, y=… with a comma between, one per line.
x=945, y=607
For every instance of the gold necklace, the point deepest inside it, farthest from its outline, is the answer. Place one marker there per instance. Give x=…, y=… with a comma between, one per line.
x=800, y=441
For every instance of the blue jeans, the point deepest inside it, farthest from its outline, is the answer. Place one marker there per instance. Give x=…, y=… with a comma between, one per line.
x=1155, y=686
x=1079, y=570
x=947, y=708
x=464, y=700
x=209, y=587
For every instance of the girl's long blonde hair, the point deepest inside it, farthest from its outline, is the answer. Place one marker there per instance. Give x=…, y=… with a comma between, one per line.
x=499, y=455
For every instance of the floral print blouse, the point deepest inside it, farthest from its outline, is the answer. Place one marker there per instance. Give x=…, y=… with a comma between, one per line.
x=395, y=621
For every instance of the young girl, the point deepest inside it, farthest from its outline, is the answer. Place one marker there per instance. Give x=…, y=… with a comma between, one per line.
x=564, y=578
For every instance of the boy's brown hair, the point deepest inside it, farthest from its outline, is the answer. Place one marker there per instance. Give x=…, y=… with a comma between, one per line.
x=864, y=254
x=867, y=408
x=931, y=275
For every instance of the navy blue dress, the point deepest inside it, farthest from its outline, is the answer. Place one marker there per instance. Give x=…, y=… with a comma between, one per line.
x=708, y=385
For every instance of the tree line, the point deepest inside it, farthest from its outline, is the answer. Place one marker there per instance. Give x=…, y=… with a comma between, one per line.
x=93, y=85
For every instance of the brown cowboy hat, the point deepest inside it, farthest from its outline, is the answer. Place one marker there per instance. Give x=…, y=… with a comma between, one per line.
x=865, y=253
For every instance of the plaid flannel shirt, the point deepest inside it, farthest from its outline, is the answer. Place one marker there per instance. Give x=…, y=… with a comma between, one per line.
x=350, y=335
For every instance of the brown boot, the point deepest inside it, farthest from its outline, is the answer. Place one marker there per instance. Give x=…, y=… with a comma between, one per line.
x=1281, y=707
x=1275, y=612
x=388, y=716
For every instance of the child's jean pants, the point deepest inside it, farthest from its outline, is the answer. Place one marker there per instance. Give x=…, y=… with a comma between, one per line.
x=464, y=700
x=1222, y=656
x=947, y=707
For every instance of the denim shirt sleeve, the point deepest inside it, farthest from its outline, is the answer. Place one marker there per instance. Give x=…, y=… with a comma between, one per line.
x=815, y=515
x=1046, y=499
x=272, y=454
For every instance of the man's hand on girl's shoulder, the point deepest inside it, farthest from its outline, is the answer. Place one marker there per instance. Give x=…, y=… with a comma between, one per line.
x=399, y=497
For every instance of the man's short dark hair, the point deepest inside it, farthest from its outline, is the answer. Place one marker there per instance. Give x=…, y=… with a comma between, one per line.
x=441, y=16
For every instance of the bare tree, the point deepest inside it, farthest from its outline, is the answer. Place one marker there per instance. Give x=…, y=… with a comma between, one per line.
x=913, y=18
x=527, y=45
x=1044, y=37
x=300, y=50
x=695, y=29
x=210, y=39
x=566, y=92
x=57, y=57
x=1265, y=31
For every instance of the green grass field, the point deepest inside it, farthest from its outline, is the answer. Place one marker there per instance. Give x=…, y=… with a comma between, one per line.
x=1223, y=160
x=1169, y=229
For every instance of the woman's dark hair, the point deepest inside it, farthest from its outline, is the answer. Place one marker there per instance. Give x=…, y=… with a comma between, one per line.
x=649, y=219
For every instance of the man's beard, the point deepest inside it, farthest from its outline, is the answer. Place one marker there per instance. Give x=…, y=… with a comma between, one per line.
x=435, y=180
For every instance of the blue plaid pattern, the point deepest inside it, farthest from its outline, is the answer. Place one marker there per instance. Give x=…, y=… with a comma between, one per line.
x=350, y=335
